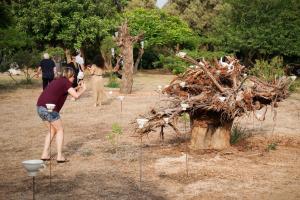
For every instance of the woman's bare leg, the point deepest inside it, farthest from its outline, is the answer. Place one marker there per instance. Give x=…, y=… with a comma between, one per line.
x=59, y=138
x=45, y=154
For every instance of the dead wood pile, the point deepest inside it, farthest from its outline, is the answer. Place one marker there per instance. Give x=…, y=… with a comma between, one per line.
x=218, y=87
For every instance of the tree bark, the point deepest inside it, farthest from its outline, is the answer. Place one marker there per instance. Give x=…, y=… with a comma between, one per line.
x=137, y=62
x=125, y=41
x=68, y=55
x=127, y=76
x=210, y=134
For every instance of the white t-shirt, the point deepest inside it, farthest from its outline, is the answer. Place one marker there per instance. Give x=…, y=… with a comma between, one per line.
x=79, y=60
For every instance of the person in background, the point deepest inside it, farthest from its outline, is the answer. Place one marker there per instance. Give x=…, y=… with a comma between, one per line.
x=75, y=67
x=47, y=67
x=56, y=93
x=80, y=62
x=118, y=67
x=97, y=71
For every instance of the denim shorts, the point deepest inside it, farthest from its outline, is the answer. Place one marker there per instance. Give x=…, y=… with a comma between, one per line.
x=45, y=115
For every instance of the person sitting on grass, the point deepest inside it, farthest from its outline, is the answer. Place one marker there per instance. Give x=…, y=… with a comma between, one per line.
x=56, y=93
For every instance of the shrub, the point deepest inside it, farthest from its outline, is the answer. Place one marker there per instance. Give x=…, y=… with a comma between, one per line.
x=113, y=81
x=268, y=71
x=174, y=64
x=27, y=59
x=295, y=85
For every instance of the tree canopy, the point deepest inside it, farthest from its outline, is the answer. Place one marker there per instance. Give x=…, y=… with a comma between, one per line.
x=160, y=28
x=198, y=14
x=69, y=23
x=260, y=27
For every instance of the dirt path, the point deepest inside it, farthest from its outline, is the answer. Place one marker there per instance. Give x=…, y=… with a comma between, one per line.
x=96, y=171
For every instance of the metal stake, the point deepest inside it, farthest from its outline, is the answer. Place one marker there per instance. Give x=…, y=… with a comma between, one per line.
x=186, y=150
x=141, y=160
x=33, y=188
x=50, y=157
x=121, y=106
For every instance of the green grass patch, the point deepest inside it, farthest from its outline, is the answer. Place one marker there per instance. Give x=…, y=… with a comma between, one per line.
x=271, y=146
x=238, y=134
x=113, y=81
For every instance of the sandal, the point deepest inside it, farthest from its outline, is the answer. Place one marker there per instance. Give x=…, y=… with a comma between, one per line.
x=47, y=159
x=62, y=161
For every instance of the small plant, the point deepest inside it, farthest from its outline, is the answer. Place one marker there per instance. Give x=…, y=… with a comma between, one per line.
x=185, y=117
x=113, y=136
x=113, y=81
x=237, y=134
x=271, y=146
x=295, y=85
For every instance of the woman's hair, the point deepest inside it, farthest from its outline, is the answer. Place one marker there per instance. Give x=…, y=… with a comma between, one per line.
x=68, y=72
x=99, y=61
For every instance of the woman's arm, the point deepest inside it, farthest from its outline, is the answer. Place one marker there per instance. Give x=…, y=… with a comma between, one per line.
x=75, y=94
x=117, y=67
x=92, y=69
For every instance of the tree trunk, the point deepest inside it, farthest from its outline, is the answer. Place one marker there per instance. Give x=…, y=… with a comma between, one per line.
x=139, y=58
x=107, y=60
x=210, y=134
x=127, y=76
x=125, y=41
x=68, y=55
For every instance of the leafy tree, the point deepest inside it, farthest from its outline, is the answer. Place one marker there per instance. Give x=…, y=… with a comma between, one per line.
x=5, y=15
x=69, y=23
x=26, y=60
x=259, y=28
x=160, y=29
x=106, y=45
x=11, y=37
x=134, y=4
x=199, y=14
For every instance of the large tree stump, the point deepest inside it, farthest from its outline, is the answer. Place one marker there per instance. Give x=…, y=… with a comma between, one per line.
x=210, y=133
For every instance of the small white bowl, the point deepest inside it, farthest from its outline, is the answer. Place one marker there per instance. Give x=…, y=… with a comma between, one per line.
x=33, y=166
x=50, y=106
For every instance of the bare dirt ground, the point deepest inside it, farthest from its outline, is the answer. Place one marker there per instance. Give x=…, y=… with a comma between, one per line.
x=98, y=170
